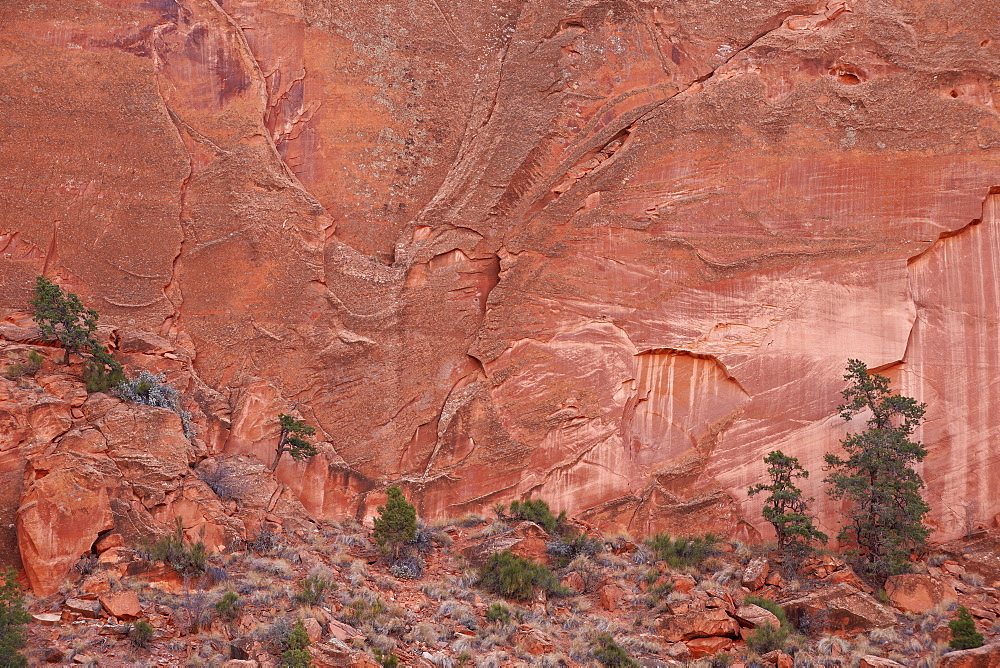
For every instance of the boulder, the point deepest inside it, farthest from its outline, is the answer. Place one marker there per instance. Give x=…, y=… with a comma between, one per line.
x=778, y=659
x=753, y=616
x=610, y=596
x=711, y=646
x=698, y=624
x=987, y=656
x=573, y=581
x=918, y=593
x=344, y=632
x=840, y=607
x=313, y=628
x=84, y=607
x=122, y=604
x=526, y=540
x=533, y=641
x=755, y=574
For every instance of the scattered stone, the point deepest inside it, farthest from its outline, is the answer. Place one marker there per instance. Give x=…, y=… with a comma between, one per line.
x=86, y=608
x=122, y=604
x=574, y=581
x=344, y=632
x=779, y=659
x=754, y=616
x=755, y=574
x=698, y=624
x=313, y=628
x=872, y=661
x=53, y=655
x=610, y=596
x=47, y=618
x=533, y=641
x=700, y=647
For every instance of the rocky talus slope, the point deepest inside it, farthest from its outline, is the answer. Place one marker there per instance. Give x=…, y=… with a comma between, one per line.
x=605, y=252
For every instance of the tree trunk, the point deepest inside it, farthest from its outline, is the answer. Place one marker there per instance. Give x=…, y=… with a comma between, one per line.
x=66, y=356
x=277, y=457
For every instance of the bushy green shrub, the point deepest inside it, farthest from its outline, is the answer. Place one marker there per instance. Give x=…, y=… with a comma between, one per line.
x=537, y=511
x=297, y=656
x=609, y=653
x=101, y=373
x=963, y=631
x=27, y=368
x=681, y=552
x=498, y=613
x=184, y=557
x=569, y=546
x=511, y=576
x=13, y=618
x=766, y=638
x=386, y=659
x=396, y=523
x=141, y=633
x=314, y=589
x=228, y=607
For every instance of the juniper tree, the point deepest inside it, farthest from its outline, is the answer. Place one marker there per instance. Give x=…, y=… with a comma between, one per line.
x=13, y=618
x=785, y=508
x=64, y=316
x=290, y=440
x=885, y=510
x=396, y=523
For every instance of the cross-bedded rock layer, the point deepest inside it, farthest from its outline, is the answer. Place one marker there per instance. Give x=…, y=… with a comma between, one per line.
x=607, y=252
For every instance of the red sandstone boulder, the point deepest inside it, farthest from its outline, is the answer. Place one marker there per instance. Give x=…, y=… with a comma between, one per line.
x=700, y=647
x=987, y=656
x=754, y=616
x=840, y=607
x=699, y=624
x=755, y=574
x=918, y=593
x=122, y=604
x=610, y=596
x=872, y=661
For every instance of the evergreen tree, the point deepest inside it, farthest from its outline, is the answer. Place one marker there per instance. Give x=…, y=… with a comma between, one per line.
x=885, y=510
x=396, y=523
x=963, y=631
x=297, y=655
x=290, y=440
x=64, y=316
x=13, y=618
x=785, y=508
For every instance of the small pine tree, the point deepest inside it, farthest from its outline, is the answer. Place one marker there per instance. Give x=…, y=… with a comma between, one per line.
x=785, y=508
x=297, y=656
x=963, y=631
x=885, y=511
x=13, y=618
x=290, y=440
x=64, y=316
x=396, y=523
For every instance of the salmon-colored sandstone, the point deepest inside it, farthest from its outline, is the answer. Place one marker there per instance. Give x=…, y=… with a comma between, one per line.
x=606, y=253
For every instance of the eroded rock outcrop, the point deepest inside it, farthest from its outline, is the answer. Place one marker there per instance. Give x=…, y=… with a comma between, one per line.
x=606, y=253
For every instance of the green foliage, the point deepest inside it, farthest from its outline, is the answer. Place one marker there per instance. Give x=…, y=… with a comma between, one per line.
x=537, y=511
x=569, y=546
x=184, y=557
x=389, y=660
x=297, y=656
x=683, y=551
x=785, y=508
x=396, y=523
x=101, y=372
x=766, y=638
x=963, y=631
x=498, y=613
x=609, y=653
x=511, y=576
x=228, y=607
x=141, y=633
x=885, y=510
x=28, y=368
x=314, y=589
x=64, y=316
x=13, y=618
x=291, y=440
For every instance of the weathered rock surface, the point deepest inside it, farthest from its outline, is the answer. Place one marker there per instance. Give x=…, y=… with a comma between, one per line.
x=987, y=656
x=918, y=593
x=605, y=253
x=840, y=607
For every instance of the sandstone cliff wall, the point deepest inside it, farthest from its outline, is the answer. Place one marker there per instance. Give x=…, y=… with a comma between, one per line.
x=606, y=252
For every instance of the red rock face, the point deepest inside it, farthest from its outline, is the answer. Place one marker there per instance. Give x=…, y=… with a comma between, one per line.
x=605, y=252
